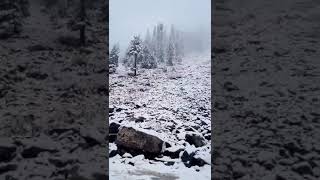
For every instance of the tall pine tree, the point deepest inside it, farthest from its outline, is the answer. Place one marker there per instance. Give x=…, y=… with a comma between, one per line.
x=135, y=50
x=114, y=55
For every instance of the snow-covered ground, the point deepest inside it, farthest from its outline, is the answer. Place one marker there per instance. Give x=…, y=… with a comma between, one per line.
x=173, y=101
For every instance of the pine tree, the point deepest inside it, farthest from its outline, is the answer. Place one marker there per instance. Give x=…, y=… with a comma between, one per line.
x=160, y=42
x=171, y=54
x=135, y=50
x=179, y=46
x=114, y=55
x=147, y=40
x=148, y=60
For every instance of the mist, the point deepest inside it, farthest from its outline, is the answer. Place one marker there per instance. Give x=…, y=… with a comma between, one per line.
x=128, y=18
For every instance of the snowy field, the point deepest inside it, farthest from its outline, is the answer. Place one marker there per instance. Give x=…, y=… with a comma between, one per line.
x=169, y=103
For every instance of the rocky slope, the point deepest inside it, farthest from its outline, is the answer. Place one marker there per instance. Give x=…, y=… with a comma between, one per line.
x=160, y=122
x=266, y=90
x=53, y=102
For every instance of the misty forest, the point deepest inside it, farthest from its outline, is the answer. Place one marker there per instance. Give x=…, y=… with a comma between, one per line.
x=159, y=108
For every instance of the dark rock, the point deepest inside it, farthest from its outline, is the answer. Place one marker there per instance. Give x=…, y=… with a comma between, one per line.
x=140, y=119
x=7, y=153
x=33, y=151
x=91, y=141
x=119, y=109
x=111, y=110
x=113, y=153
x=60, y=131
x=294, y=147
x=112, y=137
x=114, y=127
x=238, y=169
x=266, y=159
x=220, y=106
x=130, y=138
x=189, y=160
x=173, y=154
x=230, y=87
x=195, y=139
x=302, y=168
x=207, y=137
x=169, y=163
x=37, y=75
x=7, y=168
x=60, y=162
x=9, y=177
x=167, y=144
x=100, y=176
x=39, y=47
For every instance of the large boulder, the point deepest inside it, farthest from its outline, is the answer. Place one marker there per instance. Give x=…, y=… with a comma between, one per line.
x=132, y=139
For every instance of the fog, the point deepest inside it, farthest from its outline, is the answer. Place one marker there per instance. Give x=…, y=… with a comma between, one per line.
x=134, y=17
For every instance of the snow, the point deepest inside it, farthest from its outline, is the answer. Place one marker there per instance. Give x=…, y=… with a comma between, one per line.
x=173, y=100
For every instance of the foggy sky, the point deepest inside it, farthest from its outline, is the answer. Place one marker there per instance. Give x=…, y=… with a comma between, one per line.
x=133, y=17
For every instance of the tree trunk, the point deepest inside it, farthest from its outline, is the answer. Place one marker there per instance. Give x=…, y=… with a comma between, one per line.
x=135, y=64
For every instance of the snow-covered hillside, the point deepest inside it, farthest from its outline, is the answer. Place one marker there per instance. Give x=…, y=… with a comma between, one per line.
x=169, y=103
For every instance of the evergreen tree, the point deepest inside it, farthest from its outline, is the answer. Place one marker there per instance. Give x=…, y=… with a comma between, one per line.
x=179, y=48
x=114, y=55
x=160, y=43
x=171, y=54
x=135, y=50
x=147, y=40
x=148, y=60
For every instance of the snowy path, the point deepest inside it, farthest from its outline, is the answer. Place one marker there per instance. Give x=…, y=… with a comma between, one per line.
x=172, y=103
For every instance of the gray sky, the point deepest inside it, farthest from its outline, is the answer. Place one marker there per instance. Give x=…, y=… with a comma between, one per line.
x=134, y=17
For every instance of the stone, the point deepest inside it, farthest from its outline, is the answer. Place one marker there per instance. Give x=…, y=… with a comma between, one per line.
x=302, y=168
x=114, y=127
x=133, y=139
x=196, y=140
x=7, y=153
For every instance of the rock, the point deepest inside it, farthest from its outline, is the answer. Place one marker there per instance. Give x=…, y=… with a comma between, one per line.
x=61, y=162
x=238, y=169
x=173, y=154
x=230, y=87
x=9, y=177
x=113, y=153
x=33, y=151
x=220, y=106
x=266, y=159
x=114, y=127
x=100, y=176
x=294, y=147
x=189, y=160
x=196, y=140
x=207, y=137
x=39, y=47
x=34, y=146
x=112, y=137
x=140, y=119
x=7, y=150
x=37, y=75
x=170, y=163
x=7, y=168
x=111, y=110
x=132, y=139
x=302, y=168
